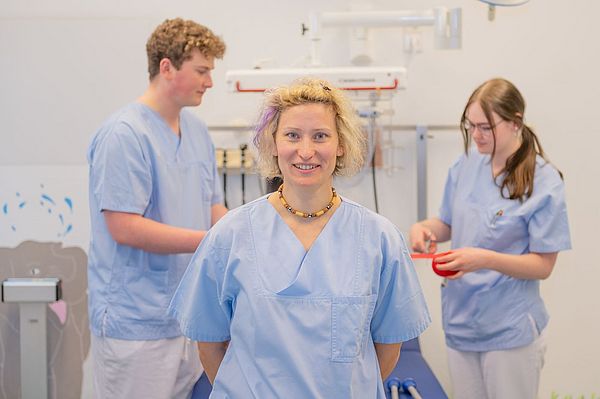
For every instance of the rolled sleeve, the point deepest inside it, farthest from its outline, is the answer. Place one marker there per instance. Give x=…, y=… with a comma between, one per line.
x=549, y=225
x=120, y=173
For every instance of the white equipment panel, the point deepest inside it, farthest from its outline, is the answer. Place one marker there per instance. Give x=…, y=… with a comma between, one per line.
x=383, y=79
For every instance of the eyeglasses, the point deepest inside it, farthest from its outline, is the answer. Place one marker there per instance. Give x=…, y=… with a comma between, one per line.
x=484, y=128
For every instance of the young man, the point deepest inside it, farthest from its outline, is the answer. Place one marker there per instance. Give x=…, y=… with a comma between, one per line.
x=154, y=191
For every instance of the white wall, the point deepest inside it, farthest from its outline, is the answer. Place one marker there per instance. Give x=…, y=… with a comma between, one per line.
x=66, y=65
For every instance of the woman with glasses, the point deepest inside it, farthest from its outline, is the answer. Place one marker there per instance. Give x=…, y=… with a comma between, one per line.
x=504, y=210
x=302, y=293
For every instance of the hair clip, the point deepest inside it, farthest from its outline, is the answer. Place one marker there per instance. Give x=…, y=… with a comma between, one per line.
x=326, y=88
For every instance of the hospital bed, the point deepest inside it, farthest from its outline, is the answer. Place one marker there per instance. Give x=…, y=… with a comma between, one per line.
x=411, y=369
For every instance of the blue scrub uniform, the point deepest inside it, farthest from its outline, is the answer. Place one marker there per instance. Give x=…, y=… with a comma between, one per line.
x=486, y=310
x=301, y=323
x=137, y=165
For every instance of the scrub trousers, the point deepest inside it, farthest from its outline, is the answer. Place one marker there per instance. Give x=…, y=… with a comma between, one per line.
x=513, y=373
x=157, y=369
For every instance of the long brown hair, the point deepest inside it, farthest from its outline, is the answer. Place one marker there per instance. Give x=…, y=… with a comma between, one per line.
x=502, y=97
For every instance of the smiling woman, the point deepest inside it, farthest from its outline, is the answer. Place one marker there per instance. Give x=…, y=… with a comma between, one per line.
x=310, y=92
x=309, y=293
x=307, y=148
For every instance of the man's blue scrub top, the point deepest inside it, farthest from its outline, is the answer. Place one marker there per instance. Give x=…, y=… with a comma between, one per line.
x=138, y=165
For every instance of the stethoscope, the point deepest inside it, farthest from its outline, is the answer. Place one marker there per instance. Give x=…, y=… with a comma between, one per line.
x=243, y=148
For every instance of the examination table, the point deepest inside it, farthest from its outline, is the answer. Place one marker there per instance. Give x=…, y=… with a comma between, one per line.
x=412, y=365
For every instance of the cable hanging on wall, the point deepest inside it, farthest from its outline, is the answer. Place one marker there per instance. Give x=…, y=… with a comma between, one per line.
x=492, y=4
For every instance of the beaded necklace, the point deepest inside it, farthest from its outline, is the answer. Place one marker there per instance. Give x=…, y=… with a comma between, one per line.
x=306, y=214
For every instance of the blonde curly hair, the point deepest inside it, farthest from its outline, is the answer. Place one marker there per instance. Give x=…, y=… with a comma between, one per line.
x=310, y=91
x=176, y=38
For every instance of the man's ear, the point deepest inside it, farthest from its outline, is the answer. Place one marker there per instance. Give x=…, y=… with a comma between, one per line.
x=166, y=68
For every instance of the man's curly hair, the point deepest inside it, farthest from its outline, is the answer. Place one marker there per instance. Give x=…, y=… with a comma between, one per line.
x=175, y=39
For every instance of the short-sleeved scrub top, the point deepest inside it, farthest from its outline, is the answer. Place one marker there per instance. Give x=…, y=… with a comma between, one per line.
x=486, y=310
x=138, y=165
x=301, y=324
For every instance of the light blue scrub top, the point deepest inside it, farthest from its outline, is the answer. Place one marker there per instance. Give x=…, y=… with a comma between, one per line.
x=486, y=310
x=301, y=324
x=137, y=165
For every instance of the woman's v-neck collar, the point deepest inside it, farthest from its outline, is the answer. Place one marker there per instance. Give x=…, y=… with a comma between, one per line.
x=279, y=218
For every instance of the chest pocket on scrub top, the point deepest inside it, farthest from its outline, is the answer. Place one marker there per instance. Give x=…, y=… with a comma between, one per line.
x=505, y=230
x=350, y=321
x=189, y=192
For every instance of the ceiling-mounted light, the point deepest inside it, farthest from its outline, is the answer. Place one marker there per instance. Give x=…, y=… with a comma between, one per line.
x=501, y=3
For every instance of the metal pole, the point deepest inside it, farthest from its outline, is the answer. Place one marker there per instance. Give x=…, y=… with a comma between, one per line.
x=421, y=172
x=34, y=356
